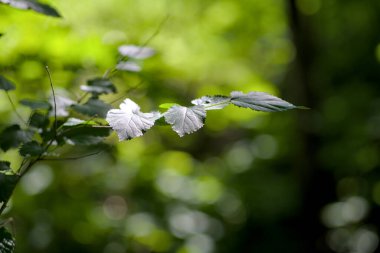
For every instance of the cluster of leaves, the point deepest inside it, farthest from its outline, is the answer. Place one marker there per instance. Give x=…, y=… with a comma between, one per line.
x=129, y=122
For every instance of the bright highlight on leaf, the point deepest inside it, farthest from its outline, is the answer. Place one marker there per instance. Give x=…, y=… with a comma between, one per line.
x=129, y=122
x=212, y=102
x=185, y=120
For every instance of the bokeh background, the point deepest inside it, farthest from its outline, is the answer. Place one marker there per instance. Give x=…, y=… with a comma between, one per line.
x=297, y=181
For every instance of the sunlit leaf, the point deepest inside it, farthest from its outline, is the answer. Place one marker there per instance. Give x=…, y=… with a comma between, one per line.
x=13, y=136
x=93, y=107
x=62, y=103
x=35, y=105
x=75, y=122
x=129, y=122
x=128, y=66
x=212, y=102
x=7, y=242
x=31, y=148
x=260, y=101
x=185, y=120
x=33, y=5
x=5, y=84
x=136, y=51
x=99, y=86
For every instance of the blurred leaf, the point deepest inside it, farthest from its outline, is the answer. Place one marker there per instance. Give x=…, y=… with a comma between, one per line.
x=128, y=66
x=5, y=165
x=93, y=107
x=33, y=5
x=260, y=101
x=185, y=120
x=136, y=52
x=99, y=86
x=7, y=242
x=129, y=122
x=13, y=136
x=84, y=134
x=8, y=181
x=39, y=120
x=31, y=148
x=34, y=104
x=5, y=84
x=75, y=122
x=62, y=104
x=212, y=102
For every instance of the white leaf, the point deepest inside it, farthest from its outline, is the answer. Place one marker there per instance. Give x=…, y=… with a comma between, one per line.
x=136, y=52
x=212, y=102
x=128, y=66
x=185, y=120
x=260, y=101
x=129, y=122
x=61, y=103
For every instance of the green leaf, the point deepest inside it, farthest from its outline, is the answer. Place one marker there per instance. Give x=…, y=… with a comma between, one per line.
x=129, y=122
x=13, y=136
x=93, y=107
x=7, y=242
x=99, y=86
x=167, y=105
x=5, y=84
x=33, y=5
x=5, y=165
x=31, y=149
x=260, y=101
x=39, y=120
x=74, y=122
x=185, y=120
x=212, y=102
x=8, y=181
x=35, y=105
x=84, y=134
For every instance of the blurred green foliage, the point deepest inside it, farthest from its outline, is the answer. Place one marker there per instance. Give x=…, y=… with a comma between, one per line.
x=304, y=181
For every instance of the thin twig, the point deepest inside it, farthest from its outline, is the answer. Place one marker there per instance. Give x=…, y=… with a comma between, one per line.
x=55, y=102
x=14, y=108
x=127, y=91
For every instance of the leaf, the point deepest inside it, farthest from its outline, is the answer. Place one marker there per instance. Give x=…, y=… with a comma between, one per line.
x=93, y=107
x=5, y=84
x=62, y=103
x=13, y=136
x=39, y=120
x=260, y=101
x=185, y=120
x=5, y=165
x=84, y=134
x=167, y=105
x=75, y=122
x=7, y=242
x=136, y=52
x=31, y=149
x=129, y=122
x=8, y=181
x=33, y=5
x=35, y=105
x=212, y=102
x=99, y=86
x=128, y=66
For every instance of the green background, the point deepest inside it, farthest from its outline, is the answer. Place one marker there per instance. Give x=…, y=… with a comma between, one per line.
x=297, y=181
